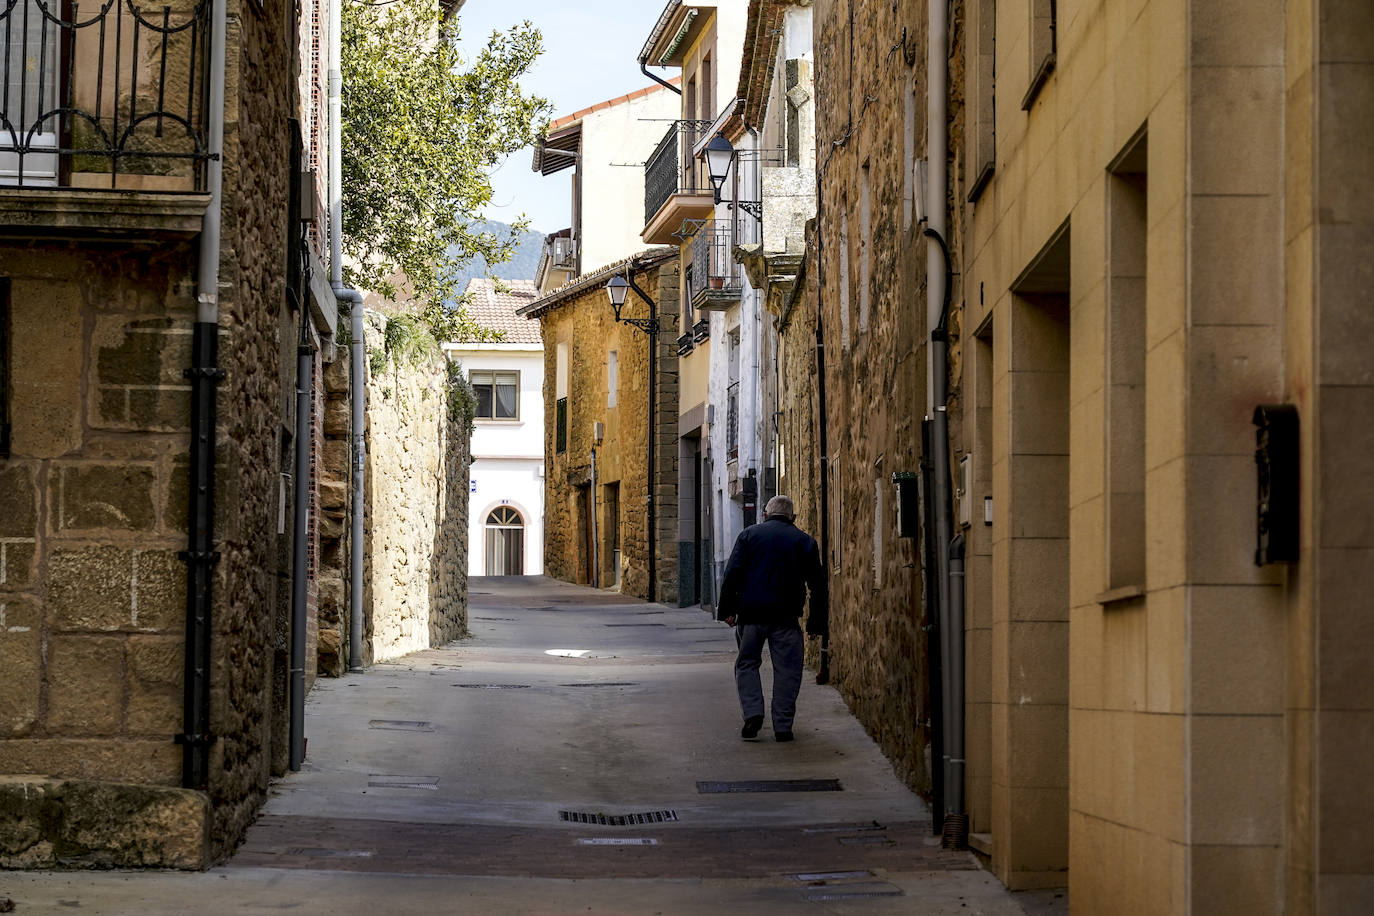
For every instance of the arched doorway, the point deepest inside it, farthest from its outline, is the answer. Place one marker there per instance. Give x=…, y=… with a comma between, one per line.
x=505, y=542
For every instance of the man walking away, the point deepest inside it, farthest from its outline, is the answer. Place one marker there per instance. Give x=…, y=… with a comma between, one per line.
x=770, y=569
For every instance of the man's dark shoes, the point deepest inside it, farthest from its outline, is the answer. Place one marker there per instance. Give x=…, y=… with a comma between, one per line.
x=751, y=727
x=782, y=736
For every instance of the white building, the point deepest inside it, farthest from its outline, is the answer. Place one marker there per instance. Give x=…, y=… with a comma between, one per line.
x=506, y=509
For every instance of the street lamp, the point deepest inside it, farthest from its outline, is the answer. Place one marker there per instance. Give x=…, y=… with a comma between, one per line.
x=719, y=155
x=617, y=287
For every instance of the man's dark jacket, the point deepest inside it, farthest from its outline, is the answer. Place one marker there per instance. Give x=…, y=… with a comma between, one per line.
x=770, y=569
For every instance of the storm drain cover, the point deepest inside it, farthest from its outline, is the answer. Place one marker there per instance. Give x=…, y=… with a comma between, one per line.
x=403, y=782
x=494, y=686
x=617, y=820
x=493, y=618
x=634, y=624
x=616, y=841
x=770, y=785
x=329, y=853
x=649, y=613
x=604, y=684
x=854, y=891
x=401, y=725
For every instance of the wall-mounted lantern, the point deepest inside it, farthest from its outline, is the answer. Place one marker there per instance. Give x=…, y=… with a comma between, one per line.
x=1277, y=453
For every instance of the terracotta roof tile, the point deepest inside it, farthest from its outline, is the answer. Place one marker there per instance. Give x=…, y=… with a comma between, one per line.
x=496, y=310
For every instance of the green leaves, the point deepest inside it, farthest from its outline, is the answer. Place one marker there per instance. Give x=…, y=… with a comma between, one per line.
x=422, y=129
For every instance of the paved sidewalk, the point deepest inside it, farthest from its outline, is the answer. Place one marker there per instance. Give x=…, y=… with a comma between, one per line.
x=474, y=778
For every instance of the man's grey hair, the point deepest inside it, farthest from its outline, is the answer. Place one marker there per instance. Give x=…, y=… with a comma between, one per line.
x=780, y=505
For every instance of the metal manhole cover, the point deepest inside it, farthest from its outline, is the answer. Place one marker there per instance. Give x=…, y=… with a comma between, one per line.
x=494, y=686
x=770, y=785
x=635, y=624
x=604, y=684
x=403, y=782
x=401, y=725
x=617, y=820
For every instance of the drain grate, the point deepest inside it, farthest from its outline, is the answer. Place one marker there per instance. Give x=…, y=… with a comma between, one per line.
x=616, y=841
x=604, y=684
x=865, y=841
x=403, y=782
x=494, y=618
x=617, y=820
x=635, y=624
x=649, y=613
x=845, y=828
x=823, y=876
x=494, y=686
x=770, y=785
x=401, y=725
x=329, y=853
x=854, y=892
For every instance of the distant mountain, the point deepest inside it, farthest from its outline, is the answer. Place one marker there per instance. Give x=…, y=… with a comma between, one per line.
x=524, y=260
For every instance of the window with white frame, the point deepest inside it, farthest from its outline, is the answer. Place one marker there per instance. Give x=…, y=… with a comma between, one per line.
x=498, y=394
x=612, y=377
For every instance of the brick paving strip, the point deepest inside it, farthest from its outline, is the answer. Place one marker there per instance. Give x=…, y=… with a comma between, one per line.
x=389, y=847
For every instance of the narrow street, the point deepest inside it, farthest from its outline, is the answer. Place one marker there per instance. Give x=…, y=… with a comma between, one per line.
x=460, y=780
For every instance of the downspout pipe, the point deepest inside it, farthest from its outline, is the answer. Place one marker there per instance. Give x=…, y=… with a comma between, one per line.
x=300, y=559
x=596, y=546
x=652, y=329
x=644, y=68
x=956, y=819
x=204, y=374
x=357, y=346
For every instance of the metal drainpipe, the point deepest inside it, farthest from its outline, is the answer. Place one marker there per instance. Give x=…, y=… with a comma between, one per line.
x=357, y=348
x=937, y=312
x=591, y=499
x=956, y=820
x=204, y=374
x=300, y=565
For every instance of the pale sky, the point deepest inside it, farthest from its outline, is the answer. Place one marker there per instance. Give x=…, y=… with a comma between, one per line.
x=590, y=50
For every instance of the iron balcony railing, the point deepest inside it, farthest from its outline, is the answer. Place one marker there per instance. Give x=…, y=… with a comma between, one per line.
x=713, y=261
x=104, y=94
x=732, y=420
x=671, y=168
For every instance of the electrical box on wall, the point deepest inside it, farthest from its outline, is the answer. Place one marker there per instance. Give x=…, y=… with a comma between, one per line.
x=908, y=503
x=1277, y=451
x=598, y=432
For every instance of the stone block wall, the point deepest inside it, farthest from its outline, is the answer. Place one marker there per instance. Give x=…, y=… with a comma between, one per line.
x=585, y=324
x=416, y=485
x=870, y=277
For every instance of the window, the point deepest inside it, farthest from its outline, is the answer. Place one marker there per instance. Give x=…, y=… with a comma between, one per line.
x=29, y=89
x=865, y=247
x=708, y=91
x=560, y=441
x=4, y=368
x=505, y=553
x=498, y=394
x=1042, y=48
x=979, y=83
x=612, y=377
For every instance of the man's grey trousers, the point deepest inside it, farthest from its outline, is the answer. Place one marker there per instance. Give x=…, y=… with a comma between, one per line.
x=786, y=649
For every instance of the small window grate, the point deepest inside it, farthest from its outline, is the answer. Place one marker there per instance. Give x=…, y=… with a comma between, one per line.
x=617, y=820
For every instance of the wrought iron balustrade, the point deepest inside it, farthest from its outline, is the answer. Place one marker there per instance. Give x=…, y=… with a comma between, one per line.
x=105, y=94
x=713, y=263
x=672, y=169
x=732, y=420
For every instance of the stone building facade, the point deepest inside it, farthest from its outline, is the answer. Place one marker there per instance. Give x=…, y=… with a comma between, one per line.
x=1155, y=333
x=98, y=280
x=596, y=423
